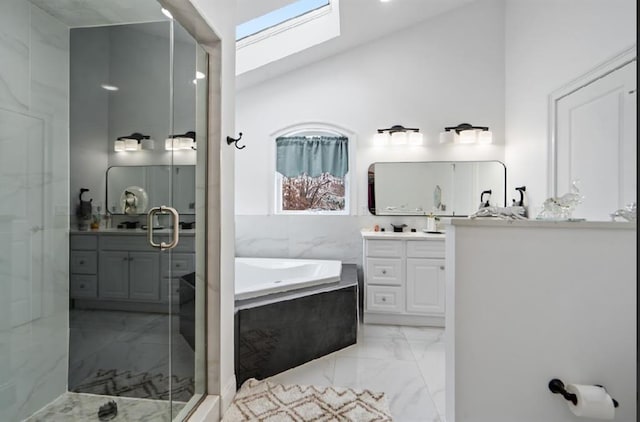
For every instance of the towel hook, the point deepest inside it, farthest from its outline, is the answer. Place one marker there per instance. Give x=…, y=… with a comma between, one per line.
x=231, y=140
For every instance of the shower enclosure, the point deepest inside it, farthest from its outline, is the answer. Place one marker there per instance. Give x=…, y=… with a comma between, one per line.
x=72, y=81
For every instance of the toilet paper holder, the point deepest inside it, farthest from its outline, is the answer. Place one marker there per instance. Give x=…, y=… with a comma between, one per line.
x=556, y=386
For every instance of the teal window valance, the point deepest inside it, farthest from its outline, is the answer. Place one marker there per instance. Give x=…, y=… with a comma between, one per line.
x=297, y=155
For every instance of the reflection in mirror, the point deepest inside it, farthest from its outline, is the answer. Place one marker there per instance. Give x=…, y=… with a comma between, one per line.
x=153, y=185
x=444, y=188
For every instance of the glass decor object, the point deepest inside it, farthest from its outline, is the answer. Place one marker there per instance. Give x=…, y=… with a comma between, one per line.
x=628, y=213
x=561, y=208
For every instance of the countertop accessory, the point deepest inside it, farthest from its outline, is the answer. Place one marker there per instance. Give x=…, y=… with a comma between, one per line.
x=231, y=140
x=398, y=228
x=83, y=211
x=561, y=208
x=629, y=213
x=134, y=200
x=485, y=203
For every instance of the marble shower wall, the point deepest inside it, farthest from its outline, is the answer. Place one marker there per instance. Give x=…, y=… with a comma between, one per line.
x=34, y=179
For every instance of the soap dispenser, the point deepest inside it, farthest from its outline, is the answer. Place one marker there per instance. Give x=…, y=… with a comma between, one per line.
x=520, y=203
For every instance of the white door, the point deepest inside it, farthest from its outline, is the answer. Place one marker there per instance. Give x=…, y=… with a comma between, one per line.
x=596, y=143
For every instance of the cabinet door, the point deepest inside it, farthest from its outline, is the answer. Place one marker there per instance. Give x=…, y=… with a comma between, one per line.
x=113, y=276
x=144, y=275
x=425, y=286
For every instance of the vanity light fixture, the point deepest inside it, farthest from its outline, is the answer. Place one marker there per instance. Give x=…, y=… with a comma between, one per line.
x=398, y=135
x=466, y=133
x=134, y=142
x=181, y=142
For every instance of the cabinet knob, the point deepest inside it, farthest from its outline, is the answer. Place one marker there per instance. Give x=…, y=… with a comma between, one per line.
x=125, y=258
x=82, y=286
x=384, y=299
x=384, y=271
x=81, y=262
x=442, y=267
x=130, y=259
x=178, y=265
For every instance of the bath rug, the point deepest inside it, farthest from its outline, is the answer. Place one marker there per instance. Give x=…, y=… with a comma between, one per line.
x=141, y=385
x=264, y=401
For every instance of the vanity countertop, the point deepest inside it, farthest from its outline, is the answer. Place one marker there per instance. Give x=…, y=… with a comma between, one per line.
x=499, y=223
x=138, y=232
x=370, y=234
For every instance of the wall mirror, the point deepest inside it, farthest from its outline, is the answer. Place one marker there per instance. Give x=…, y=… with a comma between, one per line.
x=444, y=188
x=152, y=186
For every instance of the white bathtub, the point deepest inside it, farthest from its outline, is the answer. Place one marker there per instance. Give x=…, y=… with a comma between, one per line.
x=262, y=276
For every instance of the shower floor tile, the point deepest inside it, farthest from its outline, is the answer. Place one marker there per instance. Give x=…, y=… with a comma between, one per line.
x=80, y=407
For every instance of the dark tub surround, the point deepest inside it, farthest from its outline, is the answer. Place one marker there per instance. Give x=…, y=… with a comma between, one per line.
x=277, y=332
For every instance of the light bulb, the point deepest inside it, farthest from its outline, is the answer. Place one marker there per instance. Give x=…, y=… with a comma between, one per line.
x=399, y=138
x=485, y=137
x=416, y=138
x=467, y=137
x=118, y=146
x=381, y=139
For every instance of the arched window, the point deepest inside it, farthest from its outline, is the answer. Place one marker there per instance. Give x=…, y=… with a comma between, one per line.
x=312, y=173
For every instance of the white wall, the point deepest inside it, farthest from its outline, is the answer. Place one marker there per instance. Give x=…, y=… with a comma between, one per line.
x=445, y=71
x=548, y=44
x=531, y=301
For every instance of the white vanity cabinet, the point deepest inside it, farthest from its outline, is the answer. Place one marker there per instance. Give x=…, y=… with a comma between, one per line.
x=129, y=269
x=404, y=278
x=83, y=267
x=120, y=270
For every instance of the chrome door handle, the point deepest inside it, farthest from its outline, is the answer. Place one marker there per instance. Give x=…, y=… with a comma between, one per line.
x=176, y=227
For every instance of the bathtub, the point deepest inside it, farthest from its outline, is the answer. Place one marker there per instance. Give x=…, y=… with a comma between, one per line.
x=262, y=276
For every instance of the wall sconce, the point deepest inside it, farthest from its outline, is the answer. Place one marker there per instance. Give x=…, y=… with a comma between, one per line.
x=181, y=142
x=134, y=142
x=398, y=135
x=465, y=133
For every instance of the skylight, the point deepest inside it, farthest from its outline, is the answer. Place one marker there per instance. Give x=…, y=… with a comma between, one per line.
x=277, y=17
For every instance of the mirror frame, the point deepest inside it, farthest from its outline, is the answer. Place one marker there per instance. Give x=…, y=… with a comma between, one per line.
x=371, y=206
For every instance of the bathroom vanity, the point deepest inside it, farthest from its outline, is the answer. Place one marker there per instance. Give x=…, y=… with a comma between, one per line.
x=404, y=278
x=118, y=269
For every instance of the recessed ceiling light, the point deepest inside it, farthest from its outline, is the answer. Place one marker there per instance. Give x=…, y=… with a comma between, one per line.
x=167, y=13
x=109, y=87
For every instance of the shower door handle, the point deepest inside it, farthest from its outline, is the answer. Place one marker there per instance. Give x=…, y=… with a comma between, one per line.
x=176, y=227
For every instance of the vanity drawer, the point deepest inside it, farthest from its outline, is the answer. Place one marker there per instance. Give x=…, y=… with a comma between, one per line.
x=83, y=286
x=425, y=248
x=83, y=262
x=84, y=242
x=384, y=271
x=385, y=299
x=179, y=264
x=123, y=242
x=384, y=248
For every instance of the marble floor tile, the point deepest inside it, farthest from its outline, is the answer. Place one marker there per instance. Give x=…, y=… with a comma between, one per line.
x=407, y=393
x=318, y=372
x=396, y=348
x=407, y=363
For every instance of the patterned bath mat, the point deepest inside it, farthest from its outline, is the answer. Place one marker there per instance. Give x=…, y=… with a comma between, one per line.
x=142, y=385
x=265, y=401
